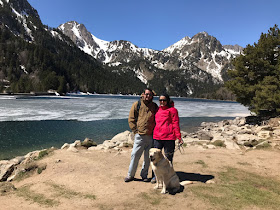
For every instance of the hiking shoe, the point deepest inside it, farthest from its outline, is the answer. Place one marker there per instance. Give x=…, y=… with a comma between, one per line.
x=145, y=179
x=128, y=179
x=153, y=181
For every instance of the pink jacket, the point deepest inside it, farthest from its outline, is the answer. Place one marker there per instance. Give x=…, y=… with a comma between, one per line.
x=167, y=124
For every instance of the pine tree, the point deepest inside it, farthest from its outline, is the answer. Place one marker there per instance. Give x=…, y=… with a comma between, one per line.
x=256, y=78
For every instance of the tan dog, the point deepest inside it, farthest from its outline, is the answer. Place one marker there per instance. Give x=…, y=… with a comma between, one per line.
x=165, y=174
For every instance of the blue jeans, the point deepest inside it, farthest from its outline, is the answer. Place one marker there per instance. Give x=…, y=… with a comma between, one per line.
x=141, y=143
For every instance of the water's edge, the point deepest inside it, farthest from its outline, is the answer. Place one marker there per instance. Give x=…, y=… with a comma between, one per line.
x=20, y=137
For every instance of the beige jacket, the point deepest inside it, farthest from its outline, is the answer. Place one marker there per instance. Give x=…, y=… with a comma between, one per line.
x=145, y=123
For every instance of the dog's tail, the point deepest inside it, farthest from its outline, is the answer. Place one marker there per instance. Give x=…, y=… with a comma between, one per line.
x=186, y=182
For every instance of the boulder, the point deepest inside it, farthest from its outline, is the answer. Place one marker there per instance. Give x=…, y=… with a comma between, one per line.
x=230, y=144
x=125, y=136
x=6, y=169
x=241, y=139
x=77, y=143
x=65, y=146
x=204, y=135
x=239, y=121
x=276, y=132
x=264, y=134
x=109, y=144
x=72, y=148
x=210, y=146
x=88, y=143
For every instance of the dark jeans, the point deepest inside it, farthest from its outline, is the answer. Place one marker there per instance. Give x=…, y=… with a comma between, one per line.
x=168, y=145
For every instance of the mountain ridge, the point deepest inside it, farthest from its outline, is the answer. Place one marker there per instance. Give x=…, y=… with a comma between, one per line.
x=35, y=57
x=202, y=50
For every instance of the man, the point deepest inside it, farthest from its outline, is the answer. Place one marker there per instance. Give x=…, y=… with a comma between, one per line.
x=141, y=121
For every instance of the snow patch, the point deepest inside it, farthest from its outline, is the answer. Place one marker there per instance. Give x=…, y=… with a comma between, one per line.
x=101, y=43
x=76, y=32
x=24, y=69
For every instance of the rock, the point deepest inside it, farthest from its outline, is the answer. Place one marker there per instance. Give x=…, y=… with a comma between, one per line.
x=204, y=135
x=264, y=134
x=274, y=122
x=11, y=178
x=98, y=147
x=65, y=146
x=276, y=132
x=72, y=148
x=109, y=144
x=245, y=130
x=31, y=156
x=6, y=169
x=239, y=121
x=125, y=136
x=251, y=143
x=77, y=143
x=210, y=182
x=241, y=139
x=211, y=146
x=231, y=144
x=232, y=128
x=217, y=136
x=88, y=143
x=184, y=134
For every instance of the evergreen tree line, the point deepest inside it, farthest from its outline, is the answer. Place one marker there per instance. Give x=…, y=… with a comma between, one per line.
x=49, y=63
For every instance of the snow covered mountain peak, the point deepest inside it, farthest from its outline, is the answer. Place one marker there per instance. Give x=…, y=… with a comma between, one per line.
x=202, y=51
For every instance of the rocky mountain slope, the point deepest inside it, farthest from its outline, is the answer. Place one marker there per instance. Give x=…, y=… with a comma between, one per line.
x=201, y=51
x=35, y=57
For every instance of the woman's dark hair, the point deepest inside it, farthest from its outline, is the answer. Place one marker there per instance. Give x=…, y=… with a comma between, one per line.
x=167, y=99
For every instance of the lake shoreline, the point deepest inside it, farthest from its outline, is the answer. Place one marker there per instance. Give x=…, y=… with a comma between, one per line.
x=21, y=137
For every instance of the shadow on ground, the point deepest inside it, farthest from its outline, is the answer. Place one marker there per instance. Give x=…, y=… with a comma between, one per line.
x=193, y=177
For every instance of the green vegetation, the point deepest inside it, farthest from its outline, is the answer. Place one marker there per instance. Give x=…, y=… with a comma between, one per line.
x=62, y=191
x=56, y=190
x=154, y=197
x=178, y=82
x=264, y=145
x=29, y=169
x=255, y=79
x=35, y=197
x=52, y=61
x=201, y=162
x=6, y=187
x=238, y=189
x=219, y=143
x=44, y=153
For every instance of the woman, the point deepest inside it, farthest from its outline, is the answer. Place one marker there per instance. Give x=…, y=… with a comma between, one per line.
x=167, y=128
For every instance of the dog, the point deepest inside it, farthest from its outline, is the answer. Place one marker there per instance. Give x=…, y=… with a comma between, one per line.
x=164, y=172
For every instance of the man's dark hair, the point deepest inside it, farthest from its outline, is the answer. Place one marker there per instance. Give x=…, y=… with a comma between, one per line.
x=149, y=89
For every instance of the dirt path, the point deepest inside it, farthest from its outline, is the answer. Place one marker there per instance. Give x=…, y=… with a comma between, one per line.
x=94, y=180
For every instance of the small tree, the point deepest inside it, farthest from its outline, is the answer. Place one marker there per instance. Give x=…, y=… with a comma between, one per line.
x=256, y=78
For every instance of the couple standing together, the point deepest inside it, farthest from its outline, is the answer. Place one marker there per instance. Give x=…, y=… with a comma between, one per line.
x=153, y=126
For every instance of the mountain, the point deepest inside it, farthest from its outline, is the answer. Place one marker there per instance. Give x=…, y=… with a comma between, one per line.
x=202, y=51
x=34, y=57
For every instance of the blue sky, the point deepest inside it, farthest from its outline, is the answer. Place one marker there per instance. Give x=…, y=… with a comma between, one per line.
x=157, y=24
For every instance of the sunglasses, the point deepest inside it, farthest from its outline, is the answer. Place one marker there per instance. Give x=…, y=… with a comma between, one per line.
x=162, y=100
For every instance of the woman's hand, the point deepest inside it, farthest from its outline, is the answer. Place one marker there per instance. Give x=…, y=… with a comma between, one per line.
x=181, y=141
